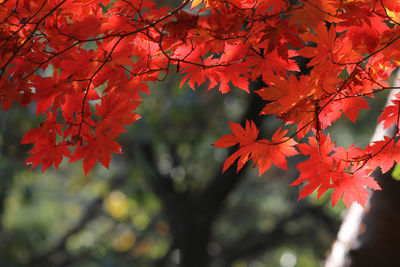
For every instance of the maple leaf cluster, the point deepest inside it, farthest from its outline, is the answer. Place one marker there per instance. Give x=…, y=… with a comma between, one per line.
x=84, y=64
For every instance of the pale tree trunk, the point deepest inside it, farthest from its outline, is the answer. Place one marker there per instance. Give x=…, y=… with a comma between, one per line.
x=371, y=237
x=379, y=244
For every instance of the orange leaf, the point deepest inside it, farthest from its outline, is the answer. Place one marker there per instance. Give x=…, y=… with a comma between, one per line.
x=195, y=3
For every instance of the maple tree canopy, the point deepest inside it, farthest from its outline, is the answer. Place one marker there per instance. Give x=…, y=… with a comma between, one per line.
x=101, y=54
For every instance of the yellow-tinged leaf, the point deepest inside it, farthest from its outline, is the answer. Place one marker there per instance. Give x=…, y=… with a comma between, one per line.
x=196, y=3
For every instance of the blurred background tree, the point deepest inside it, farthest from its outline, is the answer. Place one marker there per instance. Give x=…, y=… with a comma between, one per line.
x=164, y=202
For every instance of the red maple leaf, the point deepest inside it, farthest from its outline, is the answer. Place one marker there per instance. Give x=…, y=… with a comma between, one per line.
x=326, y=45
x=353, y=188
x=262, y=152
x=97, y=147
x=316, y=171
x=194, y=66
x=233, y=70
x=46, y=151
x=390, y=114
x=383, y=153
x=244, y=137
x=275, y=151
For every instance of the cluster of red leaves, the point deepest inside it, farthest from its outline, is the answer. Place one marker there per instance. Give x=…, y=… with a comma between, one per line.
x=84, y=63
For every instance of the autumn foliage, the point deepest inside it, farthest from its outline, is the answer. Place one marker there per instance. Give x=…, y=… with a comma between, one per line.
x=102, y=54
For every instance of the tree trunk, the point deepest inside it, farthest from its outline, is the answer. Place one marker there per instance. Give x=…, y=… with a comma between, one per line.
x=379, y=239
x=191, y=231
